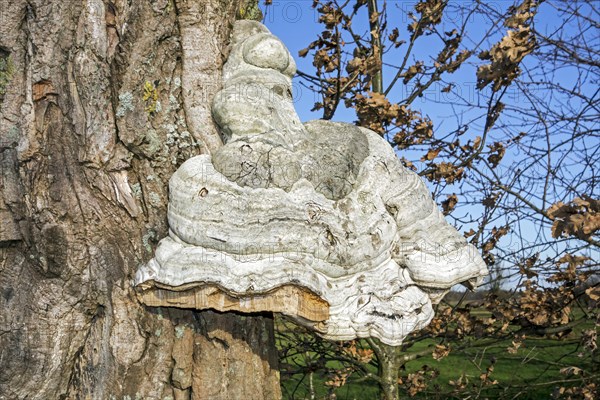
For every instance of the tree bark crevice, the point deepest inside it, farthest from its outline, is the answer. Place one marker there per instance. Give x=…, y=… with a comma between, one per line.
x=85, y=164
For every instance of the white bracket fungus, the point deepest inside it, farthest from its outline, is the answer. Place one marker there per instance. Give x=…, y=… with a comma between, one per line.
x=319, y=222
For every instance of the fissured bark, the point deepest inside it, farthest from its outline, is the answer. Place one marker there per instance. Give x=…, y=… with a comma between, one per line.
x=101, y=101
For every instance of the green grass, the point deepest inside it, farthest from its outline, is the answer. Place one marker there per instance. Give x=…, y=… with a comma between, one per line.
x=524, y=373
x=531, y=373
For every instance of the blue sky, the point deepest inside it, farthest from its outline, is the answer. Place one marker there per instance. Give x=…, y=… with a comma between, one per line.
x=296, y=24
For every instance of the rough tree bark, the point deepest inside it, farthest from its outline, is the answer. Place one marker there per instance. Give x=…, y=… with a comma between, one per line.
x=100, y=102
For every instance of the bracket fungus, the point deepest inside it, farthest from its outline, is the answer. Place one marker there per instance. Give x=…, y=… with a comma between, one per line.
x=317, y=221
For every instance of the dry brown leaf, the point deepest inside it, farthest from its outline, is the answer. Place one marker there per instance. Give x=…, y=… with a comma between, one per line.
x=440, y=352
x=431, y=154
x=580, y=218
x=593, y=293
x=449, y=204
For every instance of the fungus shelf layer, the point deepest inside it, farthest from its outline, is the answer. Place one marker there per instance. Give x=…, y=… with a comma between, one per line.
x=317, y=221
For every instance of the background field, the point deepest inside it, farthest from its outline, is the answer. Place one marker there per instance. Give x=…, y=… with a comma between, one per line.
x=534, y=370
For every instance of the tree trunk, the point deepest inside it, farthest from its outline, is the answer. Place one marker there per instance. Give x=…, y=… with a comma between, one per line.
x=389, y=363
x=101, y=101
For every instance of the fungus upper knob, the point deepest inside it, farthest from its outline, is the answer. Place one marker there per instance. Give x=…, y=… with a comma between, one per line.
x=266, y=51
